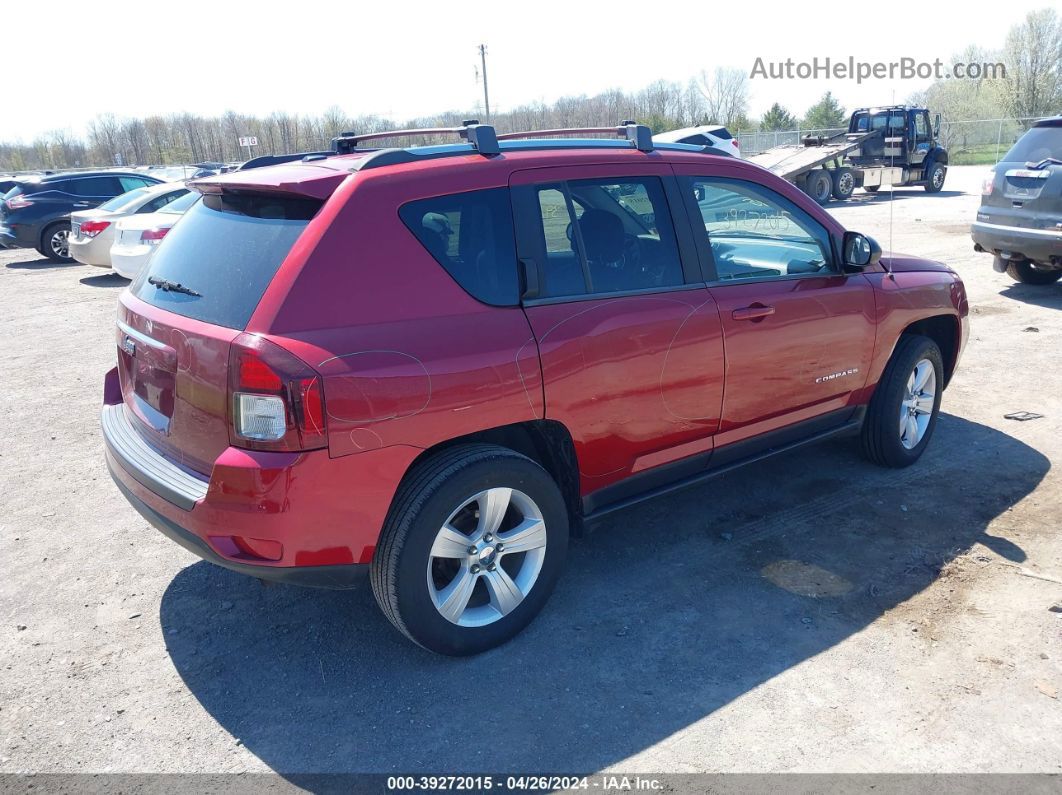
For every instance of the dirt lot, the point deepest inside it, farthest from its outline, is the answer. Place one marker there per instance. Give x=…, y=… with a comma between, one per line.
x=811, y=614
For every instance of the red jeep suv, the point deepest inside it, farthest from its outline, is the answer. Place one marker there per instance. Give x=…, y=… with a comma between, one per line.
x=431, y=365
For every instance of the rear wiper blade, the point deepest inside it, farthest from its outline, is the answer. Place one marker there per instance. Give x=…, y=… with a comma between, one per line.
x=172, y=287
x=1047, y=161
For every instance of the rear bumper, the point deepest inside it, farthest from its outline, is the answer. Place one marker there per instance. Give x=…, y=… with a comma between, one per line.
x=9, y=238
x=92, y=252
x=336, y=577
x=129, y=261
x=1039, y=245
x=302, y=518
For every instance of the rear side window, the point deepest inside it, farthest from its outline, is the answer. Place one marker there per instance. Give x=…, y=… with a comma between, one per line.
x=471, y=236
x=92, y=186
x=605, y=236
x=163, y=201
x=227, y=248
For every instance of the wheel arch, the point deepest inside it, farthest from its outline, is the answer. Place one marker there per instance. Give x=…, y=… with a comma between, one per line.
x=944, y=331
x=46, y=228
x=546, y=442
x=938, y=154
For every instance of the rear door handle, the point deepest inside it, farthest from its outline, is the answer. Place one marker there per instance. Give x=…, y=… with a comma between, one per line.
x=753, y=312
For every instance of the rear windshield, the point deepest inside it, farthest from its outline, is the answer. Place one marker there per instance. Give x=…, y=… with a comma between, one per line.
x=180, y=204
x=227, y=248
x=121, y=201
x=1036, y=145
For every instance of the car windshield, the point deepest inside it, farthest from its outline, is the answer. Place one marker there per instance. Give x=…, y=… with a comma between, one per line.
x=118, y=202
x=1036, y=145
x=178, y=206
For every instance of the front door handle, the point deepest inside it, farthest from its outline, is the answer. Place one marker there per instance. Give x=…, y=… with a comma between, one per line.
x=754, y=312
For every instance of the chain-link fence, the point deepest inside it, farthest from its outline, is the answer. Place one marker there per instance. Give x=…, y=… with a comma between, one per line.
x=972, y=141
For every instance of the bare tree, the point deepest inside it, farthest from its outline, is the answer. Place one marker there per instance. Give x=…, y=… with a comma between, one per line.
x=726, y=94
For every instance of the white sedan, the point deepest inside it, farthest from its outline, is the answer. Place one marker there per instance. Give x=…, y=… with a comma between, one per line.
x=92, y=231
x=137, y=236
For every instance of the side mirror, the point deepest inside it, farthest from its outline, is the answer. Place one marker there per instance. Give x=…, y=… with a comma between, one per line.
x=860, y=251
x=936, y=127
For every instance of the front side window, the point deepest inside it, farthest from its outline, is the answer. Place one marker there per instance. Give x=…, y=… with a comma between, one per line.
x=755, y=233
x=604, y=236
x=132, y=183
x=921, y=126
x=471, y=236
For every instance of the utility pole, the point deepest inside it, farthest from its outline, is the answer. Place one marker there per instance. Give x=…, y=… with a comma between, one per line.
x=486, y=96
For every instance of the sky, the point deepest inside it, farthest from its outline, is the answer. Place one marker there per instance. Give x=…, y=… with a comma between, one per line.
x=65, y=62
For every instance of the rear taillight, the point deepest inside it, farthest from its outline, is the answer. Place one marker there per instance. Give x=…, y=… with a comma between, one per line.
x=737, y=144
x=276, y=400
x=92, y=228
x=153, y=236
x=988, y=184
x=18, y=202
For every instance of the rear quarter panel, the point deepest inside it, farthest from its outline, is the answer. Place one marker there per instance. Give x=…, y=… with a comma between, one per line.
x=406, y=355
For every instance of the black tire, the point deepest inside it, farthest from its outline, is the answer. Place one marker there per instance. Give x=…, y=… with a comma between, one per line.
x=843, y=183
x=426, y=499
x=871, y=188
x=54, y=242
x=881, y=435
x=935, y=177
x=818, y=185
x=1027, y=273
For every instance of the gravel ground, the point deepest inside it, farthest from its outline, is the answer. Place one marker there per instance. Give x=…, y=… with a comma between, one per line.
x=813, y=613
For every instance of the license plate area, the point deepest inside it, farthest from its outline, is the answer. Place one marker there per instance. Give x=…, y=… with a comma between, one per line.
x=1023, y=185
x=148, y=369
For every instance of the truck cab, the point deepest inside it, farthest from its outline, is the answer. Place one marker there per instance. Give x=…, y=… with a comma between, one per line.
x=905, y=152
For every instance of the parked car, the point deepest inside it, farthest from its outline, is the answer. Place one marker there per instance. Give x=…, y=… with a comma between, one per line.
x=713, y=135
x=1019, y=221
x=137, y=236
x=428, y=366
x=36, y=212
x=92, y=231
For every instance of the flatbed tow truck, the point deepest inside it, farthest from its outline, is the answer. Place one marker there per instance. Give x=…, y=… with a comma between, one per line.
x=893, y=145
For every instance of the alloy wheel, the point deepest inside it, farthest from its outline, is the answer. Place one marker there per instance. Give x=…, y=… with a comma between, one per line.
x=916, y=407
x=60, y=243
x=486, y=557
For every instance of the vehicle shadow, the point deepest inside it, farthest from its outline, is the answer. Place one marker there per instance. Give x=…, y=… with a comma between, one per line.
x=883, y=196
x=105, y=280
x=1047, y=295
x=43, y=263
x=666, y=613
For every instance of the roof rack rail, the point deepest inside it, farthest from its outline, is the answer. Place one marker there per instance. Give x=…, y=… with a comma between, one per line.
x=482, y=137
x=638, y=134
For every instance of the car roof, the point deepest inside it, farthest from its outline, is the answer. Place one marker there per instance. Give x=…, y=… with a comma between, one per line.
x=101, y=173
x=1051, y=121
x=319, y=176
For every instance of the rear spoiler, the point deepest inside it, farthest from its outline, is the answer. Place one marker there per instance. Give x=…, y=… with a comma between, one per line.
x=272, y=160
